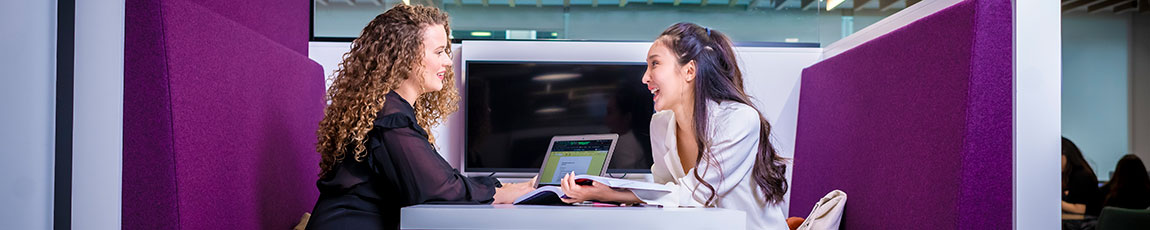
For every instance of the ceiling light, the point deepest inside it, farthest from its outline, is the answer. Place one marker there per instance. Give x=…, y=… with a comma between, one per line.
x=555, y=77
x=553, y=109
x=831, y=4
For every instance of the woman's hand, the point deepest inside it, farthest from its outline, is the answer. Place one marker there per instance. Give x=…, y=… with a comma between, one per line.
x=596, y=191
x=509, y=192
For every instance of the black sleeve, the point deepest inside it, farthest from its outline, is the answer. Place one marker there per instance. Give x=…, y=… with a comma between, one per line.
x=1094, y=207
x=1083, y=189
x=423, y=175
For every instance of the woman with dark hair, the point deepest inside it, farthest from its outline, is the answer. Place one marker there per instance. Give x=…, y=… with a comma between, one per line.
x=708, y=140
x=1079, y=184
x=1129, y=187
x=375, y=155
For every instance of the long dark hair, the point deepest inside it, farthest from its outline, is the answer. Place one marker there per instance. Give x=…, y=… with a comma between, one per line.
x=718, y=78
x=1130, y=179
x=1074, y=162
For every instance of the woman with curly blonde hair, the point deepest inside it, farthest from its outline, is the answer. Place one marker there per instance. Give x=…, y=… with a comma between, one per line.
x=376, y=156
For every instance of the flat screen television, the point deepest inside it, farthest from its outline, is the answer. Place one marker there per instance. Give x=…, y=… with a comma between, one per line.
x=514, y=108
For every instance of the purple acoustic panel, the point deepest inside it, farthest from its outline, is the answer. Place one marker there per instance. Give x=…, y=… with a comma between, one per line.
x=149, y=177
x=285, y=22
x=988, y=160
x=914, y=125
x=245, y=110
x=220, y=123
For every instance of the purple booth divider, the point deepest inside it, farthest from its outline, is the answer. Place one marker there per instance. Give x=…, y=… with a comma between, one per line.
x=219, y=119
x=915, y=125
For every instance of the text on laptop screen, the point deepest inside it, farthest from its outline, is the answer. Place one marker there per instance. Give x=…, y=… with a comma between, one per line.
x=581, y=157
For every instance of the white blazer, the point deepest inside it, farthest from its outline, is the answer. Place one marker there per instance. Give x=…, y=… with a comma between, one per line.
x=734, y=132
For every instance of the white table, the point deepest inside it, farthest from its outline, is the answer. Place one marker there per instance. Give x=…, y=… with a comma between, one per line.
x=567, y=217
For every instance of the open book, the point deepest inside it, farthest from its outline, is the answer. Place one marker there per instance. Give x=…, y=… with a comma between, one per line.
x=551, y=195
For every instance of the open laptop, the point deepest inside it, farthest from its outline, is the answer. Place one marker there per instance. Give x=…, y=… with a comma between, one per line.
x=582, y=154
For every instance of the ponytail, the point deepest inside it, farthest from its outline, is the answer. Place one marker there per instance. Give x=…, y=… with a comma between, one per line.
x=718, y=78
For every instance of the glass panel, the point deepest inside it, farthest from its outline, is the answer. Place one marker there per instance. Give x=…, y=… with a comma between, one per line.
x=742, y=20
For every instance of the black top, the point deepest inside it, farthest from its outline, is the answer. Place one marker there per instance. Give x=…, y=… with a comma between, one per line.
x=1082, y=189
x=400, y=169
x=1131, y=199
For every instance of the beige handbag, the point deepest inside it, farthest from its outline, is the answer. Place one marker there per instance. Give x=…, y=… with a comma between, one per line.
x=827, y=213
x=302, y=222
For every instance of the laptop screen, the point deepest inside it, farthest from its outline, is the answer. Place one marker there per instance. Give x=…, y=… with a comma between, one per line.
x=579, y=156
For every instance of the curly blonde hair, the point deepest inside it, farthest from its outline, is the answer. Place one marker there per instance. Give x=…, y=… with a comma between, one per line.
x=387, y=52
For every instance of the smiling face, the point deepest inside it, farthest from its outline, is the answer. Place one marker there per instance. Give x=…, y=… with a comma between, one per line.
x=436, y=59
x=669, y=81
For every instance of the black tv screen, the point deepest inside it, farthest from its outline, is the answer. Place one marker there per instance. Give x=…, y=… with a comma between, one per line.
x=514, y=108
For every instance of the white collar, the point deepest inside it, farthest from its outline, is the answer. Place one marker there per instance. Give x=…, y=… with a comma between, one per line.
x=664, y=142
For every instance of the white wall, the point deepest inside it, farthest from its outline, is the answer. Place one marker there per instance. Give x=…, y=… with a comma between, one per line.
x=1095, y=74
x=27, y=117
x=1037, y=117
x=98, y=116
x=328, y=55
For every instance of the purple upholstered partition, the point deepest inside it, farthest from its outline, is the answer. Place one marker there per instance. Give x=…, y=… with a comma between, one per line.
x=915, y=125
x=221, y=106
